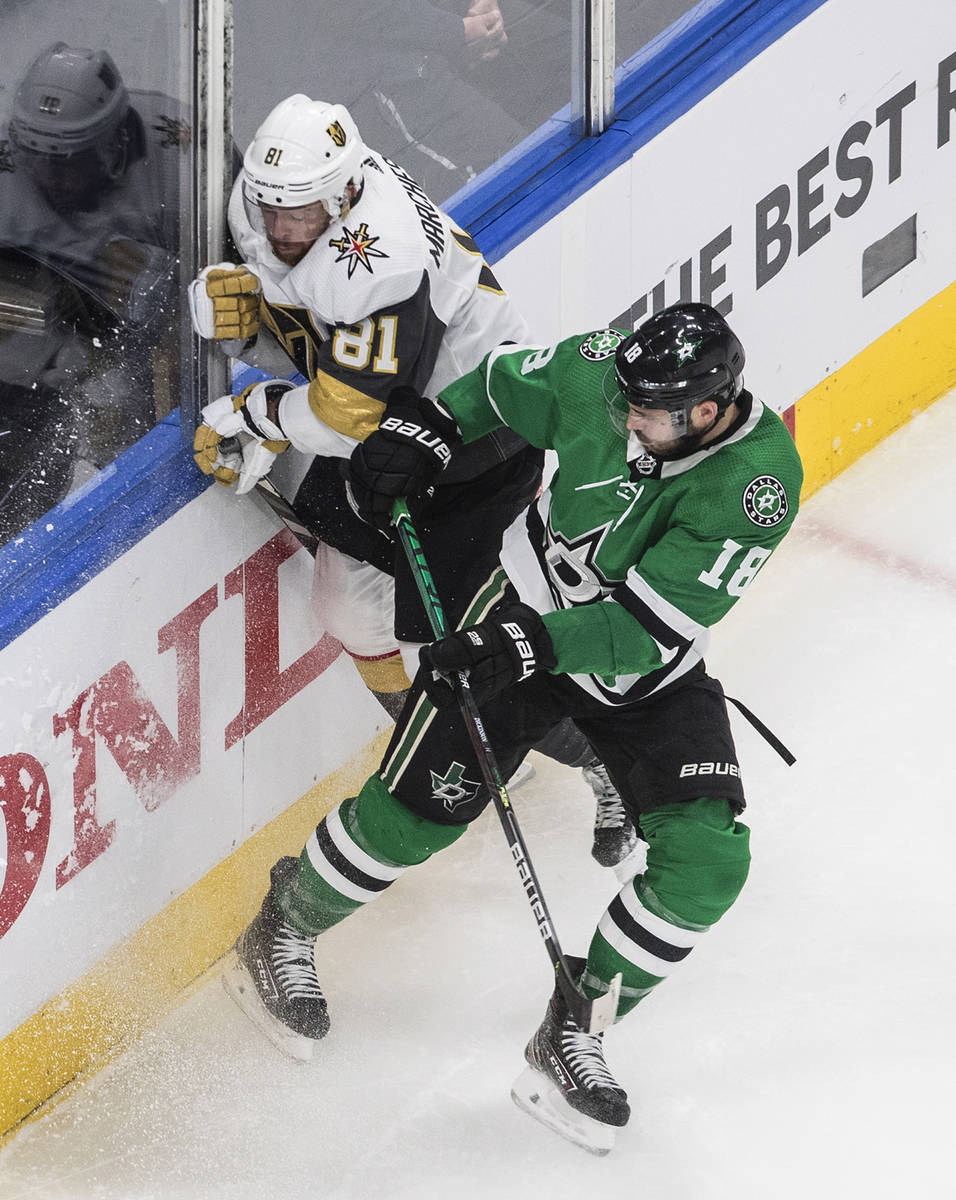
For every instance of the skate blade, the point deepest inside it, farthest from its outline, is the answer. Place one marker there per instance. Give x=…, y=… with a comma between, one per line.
x=536, y=1095
x=242, y=991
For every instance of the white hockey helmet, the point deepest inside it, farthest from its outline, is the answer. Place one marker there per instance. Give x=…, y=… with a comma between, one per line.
x=304, y=151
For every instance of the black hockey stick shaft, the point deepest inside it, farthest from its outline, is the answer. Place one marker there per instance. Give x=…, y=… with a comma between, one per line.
x=588, y=1014
x=279, y=505
x=287, y=515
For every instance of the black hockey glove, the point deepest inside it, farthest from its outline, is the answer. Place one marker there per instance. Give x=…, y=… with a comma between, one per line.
x=403, y=457
x=506, y=648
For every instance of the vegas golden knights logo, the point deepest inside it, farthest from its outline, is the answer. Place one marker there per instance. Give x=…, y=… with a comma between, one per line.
x=294, y=328
x=336, y=133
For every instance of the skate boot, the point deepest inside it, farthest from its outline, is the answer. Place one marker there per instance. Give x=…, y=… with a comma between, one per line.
x=567, y=1085
x=614, y=834
x=273, y=979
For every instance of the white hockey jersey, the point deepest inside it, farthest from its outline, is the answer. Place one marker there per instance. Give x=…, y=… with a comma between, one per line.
x=393, y=294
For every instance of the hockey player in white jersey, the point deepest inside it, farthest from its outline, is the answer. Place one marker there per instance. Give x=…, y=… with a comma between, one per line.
x=373, y=293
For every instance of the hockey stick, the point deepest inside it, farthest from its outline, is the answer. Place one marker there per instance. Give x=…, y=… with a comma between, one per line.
x=282, y=508
x=287, y=514
x=590, y=1015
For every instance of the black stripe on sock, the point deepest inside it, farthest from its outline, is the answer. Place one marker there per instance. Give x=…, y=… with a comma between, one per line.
x=642, y=937
x=344, y=867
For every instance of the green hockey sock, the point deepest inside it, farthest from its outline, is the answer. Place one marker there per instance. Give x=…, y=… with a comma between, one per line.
x=355, y=853
x=697, y=862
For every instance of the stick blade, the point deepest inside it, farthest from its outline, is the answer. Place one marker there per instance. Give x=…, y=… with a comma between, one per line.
x=604, y=1008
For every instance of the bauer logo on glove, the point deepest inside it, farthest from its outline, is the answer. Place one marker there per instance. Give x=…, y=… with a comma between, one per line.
x=412, y=431
x=505, y=649
x=403, y=457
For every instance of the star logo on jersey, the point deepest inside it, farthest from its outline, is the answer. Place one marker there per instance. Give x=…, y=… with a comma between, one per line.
x=686, y=351
x=356, y=248
x=600, y=344
x=452, y=788
x=573, y=574
x=765, y=501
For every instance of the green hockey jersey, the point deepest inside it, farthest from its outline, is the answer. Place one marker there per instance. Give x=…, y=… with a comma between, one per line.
x=630, y=558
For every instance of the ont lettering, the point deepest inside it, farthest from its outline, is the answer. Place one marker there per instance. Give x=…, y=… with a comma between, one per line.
x=116, y=712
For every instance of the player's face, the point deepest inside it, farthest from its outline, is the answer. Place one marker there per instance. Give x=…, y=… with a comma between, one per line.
x=657, y=433
x=69, y=182
x=292, y=232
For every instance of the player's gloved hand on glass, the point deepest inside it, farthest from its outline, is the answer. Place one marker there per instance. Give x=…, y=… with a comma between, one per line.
x=224, y=303
x=253, y=414
x=506, y=648
x=403, y=457
x=139, y=280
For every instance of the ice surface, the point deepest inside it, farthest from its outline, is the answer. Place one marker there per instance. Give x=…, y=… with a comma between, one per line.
x=805, y=1049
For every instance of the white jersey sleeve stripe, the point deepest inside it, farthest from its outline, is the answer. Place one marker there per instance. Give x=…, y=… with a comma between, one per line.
x=686, y=629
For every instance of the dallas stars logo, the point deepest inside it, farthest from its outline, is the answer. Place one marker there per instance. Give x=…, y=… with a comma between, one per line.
x=357, y=247
x=765, y=501
x=686, y=351
x=453, y=788
x=600, y=344
x=573, y=575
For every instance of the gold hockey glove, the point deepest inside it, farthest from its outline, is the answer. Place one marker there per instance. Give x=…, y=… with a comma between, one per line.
x=224, y=303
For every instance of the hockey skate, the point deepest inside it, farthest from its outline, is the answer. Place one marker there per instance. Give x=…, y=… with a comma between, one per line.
x=567, y=1085
x=273, y=978
x=614, y=834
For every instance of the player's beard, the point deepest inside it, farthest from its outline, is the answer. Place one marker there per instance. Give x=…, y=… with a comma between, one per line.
x=291, y=253
x=679, y=447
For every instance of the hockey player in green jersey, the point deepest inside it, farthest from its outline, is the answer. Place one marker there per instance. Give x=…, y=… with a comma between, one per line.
x=673, y=486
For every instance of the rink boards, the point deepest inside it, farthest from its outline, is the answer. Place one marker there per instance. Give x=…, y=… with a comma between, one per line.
x=180, y=718
x=809, y=198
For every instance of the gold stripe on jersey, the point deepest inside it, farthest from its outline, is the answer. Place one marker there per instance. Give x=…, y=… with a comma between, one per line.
x=487, y=281
x=486, y=278
x=466, y=242
x=344, y=409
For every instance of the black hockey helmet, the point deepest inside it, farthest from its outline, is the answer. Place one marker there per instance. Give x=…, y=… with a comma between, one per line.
x=70, y=116
x=676, y=359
